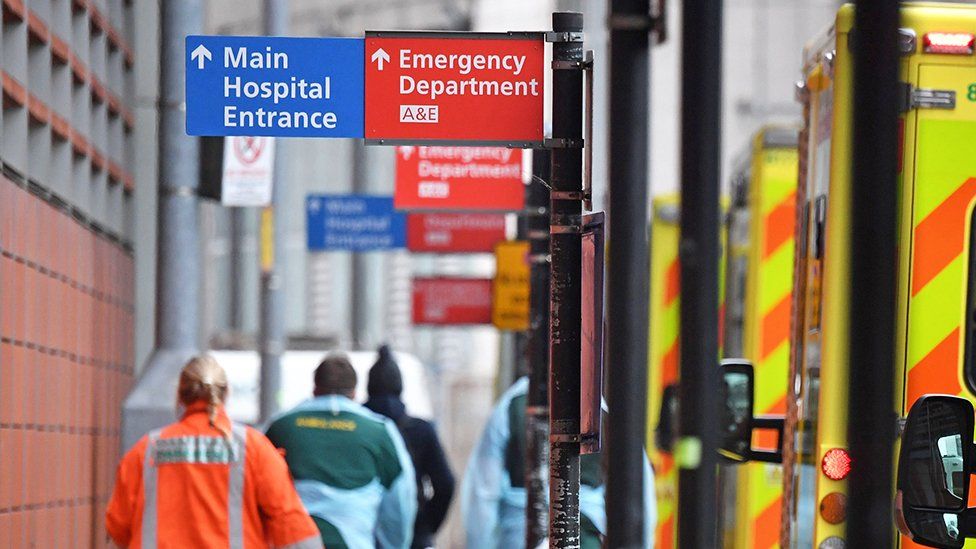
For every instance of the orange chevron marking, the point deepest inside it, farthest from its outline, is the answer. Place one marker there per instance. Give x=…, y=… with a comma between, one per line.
x=778, y=407
x=667, y=464
x=766, y=439
x=936, y=372
x=669, y=366
x=939, y=238
x=672, y=282
x=766, y=525
x=780, y=225
x=665, y=534
x=775, y=327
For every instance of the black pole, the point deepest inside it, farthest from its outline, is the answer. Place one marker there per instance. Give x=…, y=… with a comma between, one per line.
x=695, y=453
x=871, y=428
x=565, y=250
x=627, y=272
x=537, y=400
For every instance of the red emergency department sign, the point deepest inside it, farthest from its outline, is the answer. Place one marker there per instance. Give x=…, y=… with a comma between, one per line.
x=451, y=301
x=429, y=87
x=454, y=233
x=459, y=178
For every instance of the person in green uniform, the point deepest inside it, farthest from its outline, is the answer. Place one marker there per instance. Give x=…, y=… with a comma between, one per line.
x=350, y=465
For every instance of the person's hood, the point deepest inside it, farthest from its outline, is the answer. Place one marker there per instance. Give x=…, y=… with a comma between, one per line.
x=384, y=376
x=387, y=405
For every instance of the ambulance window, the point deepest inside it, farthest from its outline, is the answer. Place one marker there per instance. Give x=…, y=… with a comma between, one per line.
x=969, y=364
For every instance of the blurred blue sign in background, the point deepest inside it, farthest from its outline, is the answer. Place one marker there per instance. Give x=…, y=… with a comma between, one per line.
x=354, y=223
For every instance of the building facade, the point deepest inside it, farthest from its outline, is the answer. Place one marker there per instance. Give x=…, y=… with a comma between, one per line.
x=67, y=300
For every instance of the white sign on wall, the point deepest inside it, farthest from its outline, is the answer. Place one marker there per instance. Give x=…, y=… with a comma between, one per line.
x=248, y=171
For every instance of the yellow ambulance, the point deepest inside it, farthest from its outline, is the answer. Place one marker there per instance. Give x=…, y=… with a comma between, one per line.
x=936, y=190
x=759, y=284
x=663, y=354
x=665, y=301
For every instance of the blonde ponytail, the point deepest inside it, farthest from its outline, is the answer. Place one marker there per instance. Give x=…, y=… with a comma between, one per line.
x=203, y=379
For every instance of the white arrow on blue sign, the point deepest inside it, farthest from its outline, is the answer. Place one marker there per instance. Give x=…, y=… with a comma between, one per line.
x=274, y=86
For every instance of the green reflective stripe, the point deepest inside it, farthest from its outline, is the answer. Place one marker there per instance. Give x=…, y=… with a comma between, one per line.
x=235, y=494
x=150, y=492
x=313, y=542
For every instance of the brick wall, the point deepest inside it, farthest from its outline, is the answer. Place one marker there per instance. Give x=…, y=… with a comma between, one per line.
x=65, y=366
x=66, y=268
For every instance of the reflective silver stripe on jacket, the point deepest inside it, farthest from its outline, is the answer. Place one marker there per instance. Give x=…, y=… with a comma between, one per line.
x=235, y=494
x=195, y=450
x=314, y=542
x=149, y=479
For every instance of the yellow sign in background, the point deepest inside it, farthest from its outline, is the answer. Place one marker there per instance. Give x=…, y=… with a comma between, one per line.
x=510, y=288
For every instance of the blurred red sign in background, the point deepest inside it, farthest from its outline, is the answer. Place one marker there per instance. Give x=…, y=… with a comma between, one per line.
x=451, y=301
x=454, y=233
x=459, y=178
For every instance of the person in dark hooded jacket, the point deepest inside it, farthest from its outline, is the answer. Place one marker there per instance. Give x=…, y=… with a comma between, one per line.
x=435, y=482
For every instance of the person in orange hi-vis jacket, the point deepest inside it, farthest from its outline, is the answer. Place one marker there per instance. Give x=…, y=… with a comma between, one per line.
x=205, y=482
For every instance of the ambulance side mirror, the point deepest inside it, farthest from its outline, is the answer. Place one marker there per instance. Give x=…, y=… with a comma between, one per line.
x=738, y=421
x=934, y=466
x=738, y=389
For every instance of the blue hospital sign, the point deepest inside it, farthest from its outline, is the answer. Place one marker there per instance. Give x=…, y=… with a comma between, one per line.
x=354, y=223
x=274, y=86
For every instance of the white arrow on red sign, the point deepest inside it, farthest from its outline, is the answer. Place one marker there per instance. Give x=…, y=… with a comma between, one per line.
x=379, y=57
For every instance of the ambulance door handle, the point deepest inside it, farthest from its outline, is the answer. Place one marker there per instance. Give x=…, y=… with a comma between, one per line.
x=933, y=99
x=925, y=98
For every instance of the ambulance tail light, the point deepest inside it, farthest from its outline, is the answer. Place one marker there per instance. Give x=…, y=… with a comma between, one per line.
x=950, y=43
x=833, y=508
x=836, y=464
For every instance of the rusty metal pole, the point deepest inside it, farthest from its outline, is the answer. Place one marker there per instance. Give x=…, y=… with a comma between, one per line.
x=565, y=249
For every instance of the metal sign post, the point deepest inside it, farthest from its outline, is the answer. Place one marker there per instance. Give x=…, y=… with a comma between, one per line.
x=701, y=122
x=566, y=253
x=274, y=340
x=628, y=289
